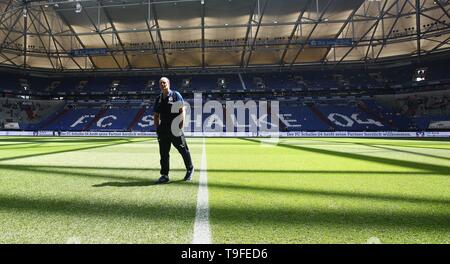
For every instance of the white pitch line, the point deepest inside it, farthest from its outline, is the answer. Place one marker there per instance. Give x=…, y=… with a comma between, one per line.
x=202, y=231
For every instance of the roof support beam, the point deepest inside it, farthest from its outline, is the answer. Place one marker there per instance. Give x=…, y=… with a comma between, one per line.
x=14, y=40
x=9, y=31
x=349, y=18
x=4, y=12
x=40, y=39
x=369, y=47
x=375, y=45
x=110, y=3
x=55, y=41
x=297, y=23
x=102, y=38
x=50, y=32
x=391, y=29
x=249, y=28
x=117, y=34
x=1, y=19
x=203, y=33
x=10, y=60
x=443, y=8
x=7, y=13
x=446, y=41
x=25, y=30
x=319, y=19
x=261, y=15
x=7, y=59
x=147, y=20
x=438, y=20
x=418, y=8
x=374, y=25
x=158, y=31
x=154, y=45
x=64, y=20
x=305, y=21
x=26, y=27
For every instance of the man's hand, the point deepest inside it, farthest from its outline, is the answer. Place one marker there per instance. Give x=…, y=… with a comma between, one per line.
x=182, y=113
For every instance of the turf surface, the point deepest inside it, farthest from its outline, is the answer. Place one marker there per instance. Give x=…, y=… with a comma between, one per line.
x=329, y=191
x=101, y=190
x=73, y=190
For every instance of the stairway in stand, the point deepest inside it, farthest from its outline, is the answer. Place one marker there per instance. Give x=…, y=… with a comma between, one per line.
x=321, y=116
x=56, y=117
x=377, y=116
x=136, y=119
x=99, y=115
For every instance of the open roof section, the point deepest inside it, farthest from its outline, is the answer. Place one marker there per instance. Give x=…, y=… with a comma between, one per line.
x=171, y=34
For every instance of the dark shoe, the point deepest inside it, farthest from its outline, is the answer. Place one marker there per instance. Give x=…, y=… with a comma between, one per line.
x=163, y=179
x=189, y=174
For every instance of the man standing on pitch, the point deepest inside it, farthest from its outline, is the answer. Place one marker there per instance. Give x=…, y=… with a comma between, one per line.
x=163, y=119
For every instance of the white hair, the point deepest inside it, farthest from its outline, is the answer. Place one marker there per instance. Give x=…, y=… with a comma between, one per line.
x=165, y=79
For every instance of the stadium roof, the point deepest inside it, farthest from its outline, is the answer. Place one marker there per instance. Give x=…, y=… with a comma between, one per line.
x=85, y=35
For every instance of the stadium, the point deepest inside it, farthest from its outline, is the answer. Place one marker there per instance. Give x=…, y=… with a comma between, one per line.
x=308, y=122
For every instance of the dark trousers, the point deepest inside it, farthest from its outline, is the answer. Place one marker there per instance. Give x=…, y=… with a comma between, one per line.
x=165, y=141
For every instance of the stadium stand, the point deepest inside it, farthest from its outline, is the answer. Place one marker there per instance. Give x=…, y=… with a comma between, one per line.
x=388, y=98
x=393, y=79
x=27, y=113
x=317, y=114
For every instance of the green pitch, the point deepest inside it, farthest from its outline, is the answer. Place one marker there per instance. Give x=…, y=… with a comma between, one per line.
x=101, y=190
